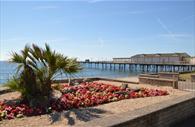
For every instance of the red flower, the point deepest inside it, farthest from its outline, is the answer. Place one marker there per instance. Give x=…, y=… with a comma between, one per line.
x=83, y=95
x=10, y=116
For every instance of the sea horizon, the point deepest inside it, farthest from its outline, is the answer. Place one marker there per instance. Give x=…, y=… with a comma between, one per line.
x=8, y=69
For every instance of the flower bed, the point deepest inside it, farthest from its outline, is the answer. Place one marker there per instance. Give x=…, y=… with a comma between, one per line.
x=18, y=111
x=83, y=95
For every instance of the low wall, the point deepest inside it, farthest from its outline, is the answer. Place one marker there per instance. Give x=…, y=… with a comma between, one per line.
x=168, y=75
x=193, y=78
x=159, y=81
x=162, y=114
x=149, y=75
x=117, y=80
x=94, y=79
x=76, y=79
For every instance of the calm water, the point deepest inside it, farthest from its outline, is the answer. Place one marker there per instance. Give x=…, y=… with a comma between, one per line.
x=7, y=70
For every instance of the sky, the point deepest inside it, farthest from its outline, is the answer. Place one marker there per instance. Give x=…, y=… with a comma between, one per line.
x=98, y=29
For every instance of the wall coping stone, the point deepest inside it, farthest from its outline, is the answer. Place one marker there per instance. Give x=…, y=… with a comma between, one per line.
x=95, y=79
x=161, y=79
x=168, y=73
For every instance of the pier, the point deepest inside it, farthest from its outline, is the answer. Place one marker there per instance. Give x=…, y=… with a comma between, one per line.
x=139, y=67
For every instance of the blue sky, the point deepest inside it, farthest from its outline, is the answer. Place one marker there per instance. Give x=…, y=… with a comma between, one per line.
x=99, y=29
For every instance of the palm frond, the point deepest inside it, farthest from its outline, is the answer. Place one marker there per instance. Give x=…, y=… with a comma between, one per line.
x=16, y=58
x=73, y=66
x=38, y=67
x=36, y=51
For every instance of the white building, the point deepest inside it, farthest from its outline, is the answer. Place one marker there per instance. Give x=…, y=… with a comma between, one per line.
x=156, y=58
x=192, y=60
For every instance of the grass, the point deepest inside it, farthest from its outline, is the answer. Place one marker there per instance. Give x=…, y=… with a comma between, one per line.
x=186, y=76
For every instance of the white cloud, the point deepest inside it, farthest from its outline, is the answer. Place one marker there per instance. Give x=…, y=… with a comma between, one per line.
x=165, y=27
x=169, y=34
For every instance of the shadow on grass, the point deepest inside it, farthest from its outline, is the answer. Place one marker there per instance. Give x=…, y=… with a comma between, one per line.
x=82, y=114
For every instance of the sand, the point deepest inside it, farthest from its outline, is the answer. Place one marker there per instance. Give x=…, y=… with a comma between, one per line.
x=132, y=78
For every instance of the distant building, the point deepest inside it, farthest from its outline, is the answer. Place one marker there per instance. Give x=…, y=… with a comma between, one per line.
x=192, y=60
x=157, y=58
x=123, y=59
x=87, y=60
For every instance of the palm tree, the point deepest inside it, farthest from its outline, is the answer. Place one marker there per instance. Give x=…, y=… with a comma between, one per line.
x=37, y=68
x=27, y=78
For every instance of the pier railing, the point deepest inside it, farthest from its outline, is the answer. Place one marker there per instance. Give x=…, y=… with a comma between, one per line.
x=143, y=67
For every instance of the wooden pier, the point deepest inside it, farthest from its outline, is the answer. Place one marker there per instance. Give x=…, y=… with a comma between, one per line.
x=139, y=67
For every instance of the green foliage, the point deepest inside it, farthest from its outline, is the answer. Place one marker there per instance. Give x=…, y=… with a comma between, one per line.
x=37, y=67
x=14, y=84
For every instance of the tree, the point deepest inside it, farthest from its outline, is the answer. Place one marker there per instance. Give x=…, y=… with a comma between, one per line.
x=37, y=67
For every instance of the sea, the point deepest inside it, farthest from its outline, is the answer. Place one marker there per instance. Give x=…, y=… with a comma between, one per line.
x=8, y=70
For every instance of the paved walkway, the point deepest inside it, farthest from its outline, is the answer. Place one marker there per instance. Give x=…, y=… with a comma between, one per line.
x=132, y=79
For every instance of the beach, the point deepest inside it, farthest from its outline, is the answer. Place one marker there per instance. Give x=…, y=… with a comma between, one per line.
x=131, y=78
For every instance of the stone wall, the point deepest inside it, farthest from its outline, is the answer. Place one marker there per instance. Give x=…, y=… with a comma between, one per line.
x=162, y=114
x=193, y=78
x=161, y=79
x=149, y=75
x=90, y=79
x=158, y=81
x=168, y=75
